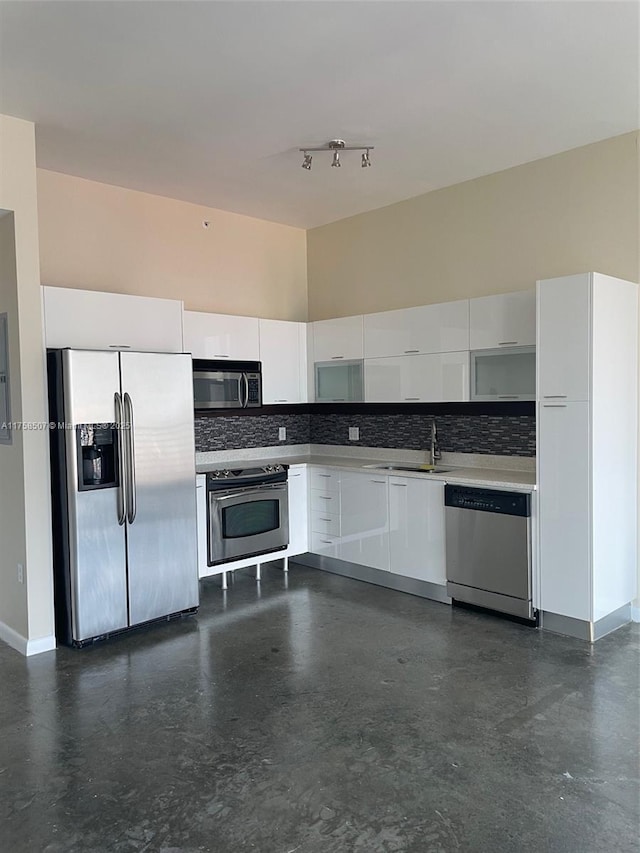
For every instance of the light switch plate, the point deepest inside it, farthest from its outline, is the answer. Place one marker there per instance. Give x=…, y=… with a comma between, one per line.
x=354, y=433
x=282, y=434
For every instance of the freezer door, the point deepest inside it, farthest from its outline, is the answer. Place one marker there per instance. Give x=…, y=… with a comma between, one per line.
x=97, y=551
x=161, y=507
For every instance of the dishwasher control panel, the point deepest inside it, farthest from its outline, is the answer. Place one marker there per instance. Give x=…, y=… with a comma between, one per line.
x=488, y=500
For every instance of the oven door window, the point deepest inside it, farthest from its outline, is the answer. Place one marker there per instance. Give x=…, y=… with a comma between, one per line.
x=250, y=519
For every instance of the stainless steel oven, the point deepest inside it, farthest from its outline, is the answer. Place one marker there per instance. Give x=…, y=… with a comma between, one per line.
x=247, y=513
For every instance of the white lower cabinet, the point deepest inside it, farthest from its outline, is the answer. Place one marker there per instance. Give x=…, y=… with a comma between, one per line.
x=432, y=378
x=416, y=529
x=324, y=511
x=364, y=520
x=298, y=511
x=563, y=483
x=201, y=518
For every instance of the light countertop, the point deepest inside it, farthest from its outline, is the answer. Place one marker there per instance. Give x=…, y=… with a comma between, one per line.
x=473, y=474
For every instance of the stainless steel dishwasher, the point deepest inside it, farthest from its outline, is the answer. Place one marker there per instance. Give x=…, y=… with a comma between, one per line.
x=488, y=541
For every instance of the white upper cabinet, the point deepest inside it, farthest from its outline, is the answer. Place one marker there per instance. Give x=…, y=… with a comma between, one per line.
x=427, y=329
x=217, y=336
x=563, y=340
x=337, y=339
x=504, y=320
x=283, y=355
x=88, y=319
x=435, y=378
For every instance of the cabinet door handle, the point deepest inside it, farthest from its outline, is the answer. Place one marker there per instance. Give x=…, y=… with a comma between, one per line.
x=325, y=497
x=280, y=401
x=507, y=396
x=324, y=519
x=334, y=357
x=409, y=399
x=326, y=542
x=555, y=397
x=554, y=405
x=221, y=356
x=324, y=475
x=379, y=481
x=119, y=346
x=399, y=485
x=411, y=351
x=507, y=343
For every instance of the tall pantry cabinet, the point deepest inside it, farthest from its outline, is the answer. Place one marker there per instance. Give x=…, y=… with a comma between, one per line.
x=587, y=423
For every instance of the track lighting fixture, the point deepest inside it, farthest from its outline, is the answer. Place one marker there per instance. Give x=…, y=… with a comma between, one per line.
x=337, y=146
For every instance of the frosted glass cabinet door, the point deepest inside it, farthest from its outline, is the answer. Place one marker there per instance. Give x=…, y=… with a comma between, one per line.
x=563, y=505
x=416, y=529
x=563, y=338
x=503, y=320
x=282, y=361
x=221, y=336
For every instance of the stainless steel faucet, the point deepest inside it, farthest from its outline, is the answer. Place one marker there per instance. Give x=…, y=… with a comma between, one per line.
x=434, y=448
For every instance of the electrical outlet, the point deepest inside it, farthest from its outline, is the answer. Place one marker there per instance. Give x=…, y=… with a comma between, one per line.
x=282, y=434
x=354, y=433
x=20, y=573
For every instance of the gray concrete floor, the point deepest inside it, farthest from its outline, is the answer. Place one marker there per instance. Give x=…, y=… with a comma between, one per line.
x=326, y=717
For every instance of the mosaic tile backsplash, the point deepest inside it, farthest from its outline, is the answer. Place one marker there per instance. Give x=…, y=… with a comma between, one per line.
x=503, y=435
x=237, y=431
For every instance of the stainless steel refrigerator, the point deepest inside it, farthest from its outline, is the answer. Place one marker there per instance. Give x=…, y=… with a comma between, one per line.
x=123, y=484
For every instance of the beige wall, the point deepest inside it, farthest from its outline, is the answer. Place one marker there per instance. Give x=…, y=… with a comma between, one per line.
x=100, y=237
x=26, y=610
x=573, y=212
x=13, y=598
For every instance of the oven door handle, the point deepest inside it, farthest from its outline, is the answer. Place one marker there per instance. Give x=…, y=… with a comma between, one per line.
x=249, y=490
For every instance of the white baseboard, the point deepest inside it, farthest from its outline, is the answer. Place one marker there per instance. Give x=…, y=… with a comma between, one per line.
x=635, y=614
x=21, y=644
x=41, y=644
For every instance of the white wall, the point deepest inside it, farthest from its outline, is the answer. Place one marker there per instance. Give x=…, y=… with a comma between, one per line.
x=26, y=610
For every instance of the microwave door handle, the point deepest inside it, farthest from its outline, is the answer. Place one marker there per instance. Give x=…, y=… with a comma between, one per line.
x=245, y=401
x=121, y=452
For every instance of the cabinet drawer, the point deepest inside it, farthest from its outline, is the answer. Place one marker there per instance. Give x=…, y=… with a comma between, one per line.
x=325, y=522
x=324, y=481
x=324, y=502
x=324, y=543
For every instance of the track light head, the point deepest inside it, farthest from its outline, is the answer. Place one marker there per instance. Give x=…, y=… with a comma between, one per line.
x=366, y=161
x=336, y=159
x=306, y=163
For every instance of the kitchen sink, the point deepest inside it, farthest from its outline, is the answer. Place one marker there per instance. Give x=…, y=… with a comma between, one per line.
x=416, y=468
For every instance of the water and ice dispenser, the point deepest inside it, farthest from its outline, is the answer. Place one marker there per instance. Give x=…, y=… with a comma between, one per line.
x=97, y=456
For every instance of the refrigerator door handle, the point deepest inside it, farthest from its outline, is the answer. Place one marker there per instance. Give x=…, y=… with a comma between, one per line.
x=121, y=452
x=131, y=456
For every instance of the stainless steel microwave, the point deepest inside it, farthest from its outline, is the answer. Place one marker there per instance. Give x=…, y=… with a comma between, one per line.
x=227, y=384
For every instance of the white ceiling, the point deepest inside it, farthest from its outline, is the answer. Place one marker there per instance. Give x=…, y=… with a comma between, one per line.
x=209, y=101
